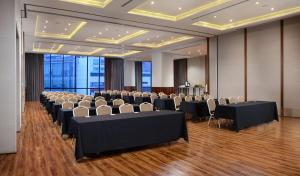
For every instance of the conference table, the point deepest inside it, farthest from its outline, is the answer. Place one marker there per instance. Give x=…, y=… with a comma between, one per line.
x=107, y=96
x=248, y=114
x=99, y=134
x=64, y=116
x=198, y=109
x=164, y=104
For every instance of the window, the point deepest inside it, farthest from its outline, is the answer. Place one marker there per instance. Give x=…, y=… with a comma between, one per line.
x=146, y=76
x=70, y=73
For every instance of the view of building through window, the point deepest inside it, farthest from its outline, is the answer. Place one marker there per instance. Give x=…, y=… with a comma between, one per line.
x=81, y=74
x=146, y=76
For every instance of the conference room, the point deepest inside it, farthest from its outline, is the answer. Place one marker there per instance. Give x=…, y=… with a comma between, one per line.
x=150, y=87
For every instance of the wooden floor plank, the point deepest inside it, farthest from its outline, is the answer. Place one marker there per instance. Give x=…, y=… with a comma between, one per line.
x=269, y=149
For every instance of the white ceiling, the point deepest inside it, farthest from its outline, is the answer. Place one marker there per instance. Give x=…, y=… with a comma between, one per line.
x=114, y=30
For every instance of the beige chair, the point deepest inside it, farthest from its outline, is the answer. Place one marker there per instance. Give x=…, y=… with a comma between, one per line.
x=182, y=95
x=67, y=105
x=206, y=96
x=146, y=107
x=60, y=95
x=137, y=94
x=188, y=98
x=172, y=95
x=126, y=108
x=81, y=112
x=240, y=99
x=59, y=100
x=222, y=101
x=153, y=97
x=118, y=102
x=153, y=93
x=145, y=94
x=88, y=98
x=66, y=97
x=104, y=110
x=84, y=103
x=123, y=94
x=99, y=98
x=73, y=100
x=177, y=101
x=161, y=93
x=198, y=98
x=131, y=93
x=100, y=102
x=163, y=96
x=53, y=98
x=212, y=107
x=233, y=100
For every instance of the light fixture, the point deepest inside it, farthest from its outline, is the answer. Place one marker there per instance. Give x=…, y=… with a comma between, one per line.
x=119, y=35
x=92, y=3
x=43, y=31
x=45, y=27
x=152, y=2
x=100, y=33
x=46, y=21
x=69, y=24
x=230, y=20
x=127, y=32
x=268, y=16
x=86, y=52
x=257, y=2
x=179, y=8
x=272, y=9
x=51, y=50
x=183, y=15
x=215, y=16
x=66, y=29
x=163, y=42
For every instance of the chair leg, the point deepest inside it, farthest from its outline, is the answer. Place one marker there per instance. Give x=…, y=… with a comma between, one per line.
x=210, y=117
x=219, y=123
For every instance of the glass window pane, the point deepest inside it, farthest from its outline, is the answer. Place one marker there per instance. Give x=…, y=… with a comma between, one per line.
x=46, y=71
x=69, y=72
x=146, y=76
x=81, y=74
x=56, y=71
x=93, y=74
x=102, y=70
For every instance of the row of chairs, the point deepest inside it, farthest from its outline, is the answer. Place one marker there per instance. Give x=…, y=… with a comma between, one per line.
x=107, y=110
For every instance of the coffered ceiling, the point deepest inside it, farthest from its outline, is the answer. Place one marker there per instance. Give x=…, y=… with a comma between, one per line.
x=136, y=28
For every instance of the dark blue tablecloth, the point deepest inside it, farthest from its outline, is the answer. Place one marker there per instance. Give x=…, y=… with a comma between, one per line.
x=122, y=131
x=140, y=100
x=248, y=113
x=128, y=99
x=198, y=109
x=164, y=104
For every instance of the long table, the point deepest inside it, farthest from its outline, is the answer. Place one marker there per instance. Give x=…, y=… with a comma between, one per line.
x=198, y=109
x=248, y=113
x=97, y=134
x=164, y=104
x=65, y=116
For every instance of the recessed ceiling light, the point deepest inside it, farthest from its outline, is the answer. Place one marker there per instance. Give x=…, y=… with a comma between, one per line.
x=69, y=24
x=45, y=27
x=215, y=16
x=112, y=38
x=100, y=33
x=66, y=29
x=179, y=8
x=127, y=32
x=272, y=9
x=119, y=35
x=257, y=2
x=152, y=2
x=46, y=21
x=231, y=20
x=43, y=31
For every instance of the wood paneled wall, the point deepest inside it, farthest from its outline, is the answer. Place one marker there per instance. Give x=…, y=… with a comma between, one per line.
x=166, y=90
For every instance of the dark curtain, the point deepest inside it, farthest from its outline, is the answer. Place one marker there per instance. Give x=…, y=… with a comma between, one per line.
x=34, y=70
x=138, y=75
x=180, y=72
x=114, y=73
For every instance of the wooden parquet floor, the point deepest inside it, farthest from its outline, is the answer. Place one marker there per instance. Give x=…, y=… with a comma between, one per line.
x=269, y=149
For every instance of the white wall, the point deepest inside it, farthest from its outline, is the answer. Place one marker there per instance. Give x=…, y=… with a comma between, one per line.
x=213, y=67
x=264, y=63
x=292, y=67
x=8, y=77
x=129, y=73
x=196, y=70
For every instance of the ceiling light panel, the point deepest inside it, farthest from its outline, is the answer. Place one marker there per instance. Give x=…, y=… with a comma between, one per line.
x=252, y=13
x=43, y=47
x=118, y=52
x=84, y=50
x=175, y=10
x=91, y=3
x=60, y=28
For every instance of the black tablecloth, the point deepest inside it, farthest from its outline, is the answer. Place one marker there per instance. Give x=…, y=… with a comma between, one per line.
x=198, y=109
x=128, y=99
x=248, y=113
x=140, y=100
x=122, y=131
x=164, y=104
x=64, y=116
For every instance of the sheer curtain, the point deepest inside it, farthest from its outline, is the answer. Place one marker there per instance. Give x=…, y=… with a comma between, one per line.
x=138, y=75
x=34, y=70
x=114, y=73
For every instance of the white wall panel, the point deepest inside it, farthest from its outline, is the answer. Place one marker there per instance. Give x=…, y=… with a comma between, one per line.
x=292, y=67
x=231, y=64
x=129, y=73
x=196, y=70
x=264, y=63
x=213, y=66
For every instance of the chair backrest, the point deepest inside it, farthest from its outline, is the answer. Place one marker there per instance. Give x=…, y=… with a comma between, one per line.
x=233, y=100
x=211, y=105
x=137, y=94
x=163, y=96
x=88, y=98
x=153, y=97
x=145, y=94
x=104, y=110
x=145, y=107
x=222, y=101
x=198, y=98
x=206, y=96
x=118, y=102
x=182, y=95
x=66, y=97
x=240, y=99
x=131, y=93
x=84, y=103
x=160, y=93
x=123, y=94
x=81, y=112
x=67, y=105
x=100, y=102
x=153, y=93
x=126, y=108
x=188, y=98
x=177, y=101
x=59, y=100
x=73, y=100
x=172, y=95
x=99, y=98
x=53, y=98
